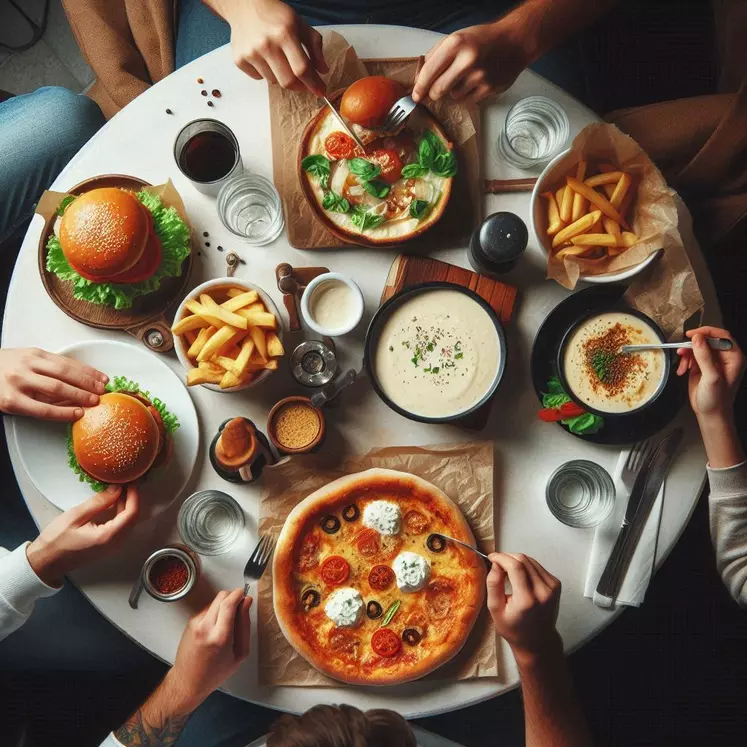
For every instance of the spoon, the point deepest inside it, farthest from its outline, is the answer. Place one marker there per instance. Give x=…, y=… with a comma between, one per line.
x=715, y=343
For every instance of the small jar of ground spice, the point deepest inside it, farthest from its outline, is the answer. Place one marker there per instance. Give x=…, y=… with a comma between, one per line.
x=295, y=426
x=171, y=573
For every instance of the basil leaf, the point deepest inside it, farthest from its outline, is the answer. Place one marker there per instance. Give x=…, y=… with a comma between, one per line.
x=418, y=208
x=585, y=424
x=554, y=400
x=445, y=164
x=318, y=166
x=65, y=202
x=363, y=169
x=365, y=219
x=555, y=386
x=335, y=203
x=413, y=171
x=425, y=154
x=377, y=188
x=390, y=613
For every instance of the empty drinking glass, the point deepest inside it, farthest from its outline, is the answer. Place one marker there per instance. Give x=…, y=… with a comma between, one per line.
x=535, y=131
x=580, y=493
x=249, y=207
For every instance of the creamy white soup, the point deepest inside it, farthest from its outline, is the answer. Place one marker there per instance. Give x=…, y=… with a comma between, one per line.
x=437, y=354
x=600, y=375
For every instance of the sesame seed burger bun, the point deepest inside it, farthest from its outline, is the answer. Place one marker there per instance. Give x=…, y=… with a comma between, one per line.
x=104, y=233
x=367, y=101
x=118, y=440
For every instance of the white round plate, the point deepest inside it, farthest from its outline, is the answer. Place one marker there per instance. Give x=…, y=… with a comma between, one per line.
x=42, y=445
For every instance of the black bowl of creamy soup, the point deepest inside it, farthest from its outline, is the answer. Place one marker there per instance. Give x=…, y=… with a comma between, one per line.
x=602, y=379
x=435, y=352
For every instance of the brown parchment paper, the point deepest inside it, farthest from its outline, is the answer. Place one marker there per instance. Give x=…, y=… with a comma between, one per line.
x=291, y=111
x=667, y=291
x=463, y=471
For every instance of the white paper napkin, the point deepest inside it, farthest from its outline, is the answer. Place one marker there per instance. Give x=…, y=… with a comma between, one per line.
x=641, y=566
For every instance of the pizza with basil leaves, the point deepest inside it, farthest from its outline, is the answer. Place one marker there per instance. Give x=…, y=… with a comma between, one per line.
x=366, y=589
x=394, y=191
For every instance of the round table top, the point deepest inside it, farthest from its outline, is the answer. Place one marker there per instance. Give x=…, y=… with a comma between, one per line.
x=139, y=141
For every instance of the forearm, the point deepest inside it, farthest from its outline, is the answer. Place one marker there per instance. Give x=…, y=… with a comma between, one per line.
x=541, y=25
x=160, y=720
x=552, y=713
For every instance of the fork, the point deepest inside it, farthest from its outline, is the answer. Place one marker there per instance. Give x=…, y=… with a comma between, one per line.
x=635, y=461
x=258, y=561
x=469, y=547
x=399, y=113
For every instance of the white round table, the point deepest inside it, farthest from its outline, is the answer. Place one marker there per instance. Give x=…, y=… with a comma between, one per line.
x=139, y=141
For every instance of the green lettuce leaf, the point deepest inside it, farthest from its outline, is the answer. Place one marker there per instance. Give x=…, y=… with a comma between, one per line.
x=174, y=235
x=118, y=384
x=585, y=424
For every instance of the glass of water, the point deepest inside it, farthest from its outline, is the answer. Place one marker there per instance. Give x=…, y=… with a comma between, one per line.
x=535, y=131
x=210, y=522
x=580, y=493
x=249, y=207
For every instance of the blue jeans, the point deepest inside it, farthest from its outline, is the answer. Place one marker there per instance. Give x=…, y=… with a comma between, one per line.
x=39, y=133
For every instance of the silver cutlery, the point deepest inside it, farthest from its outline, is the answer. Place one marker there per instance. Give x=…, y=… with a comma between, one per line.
x=344, y=126
x=258, y=561
x=399, y=113
x=715, y=343
x=464, y=544
x=650, y=467
x=137, y=590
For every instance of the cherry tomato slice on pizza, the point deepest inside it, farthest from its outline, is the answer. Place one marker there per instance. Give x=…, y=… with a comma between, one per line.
x=367, y=543
x=386, y=642
x=335, y=570
x=415, y=522
x=381, y=577
x=389, y=162
x=339, y=146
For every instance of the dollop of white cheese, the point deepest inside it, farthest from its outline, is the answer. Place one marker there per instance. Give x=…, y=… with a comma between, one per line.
x=383, y=516
x=412, y=571
x=344, y=607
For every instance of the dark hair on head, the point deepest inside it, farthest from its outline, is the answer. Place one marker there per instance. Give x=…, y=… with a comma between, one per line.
x=341, y=726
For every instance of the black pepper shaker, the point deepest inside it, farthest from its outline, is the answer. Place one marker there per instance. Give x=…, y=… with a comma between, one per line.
x=496, y=245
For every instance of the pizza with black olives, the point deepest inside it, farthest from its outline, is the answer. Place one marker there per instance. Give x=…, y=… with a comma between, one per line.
x=366, y=589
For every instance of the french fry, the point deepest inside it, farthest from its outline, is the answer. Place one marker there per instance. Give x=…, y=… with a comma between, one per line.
x=566, y=207
x=214, y=344
x=610, y=177
x=596, y=199
x=272, y=365
x=580, y=226
x=580, y=203
x=258, y=306
x=227, y=317
x=258, y=318
x=260, y=344
x=594, y=239
x=612, y=228
x=242, y=359
x=188, y=323
x=553, y=214
x=202, y=376
x=629, y=239
x=233, y=292
x=200, y=311
x=274, y=346
x=205, y=334
x=229, y=380
x=239, y=302
x=570, y=251
x=559, y=197
x=191, y=335
x=211, y=367
x=621, y=189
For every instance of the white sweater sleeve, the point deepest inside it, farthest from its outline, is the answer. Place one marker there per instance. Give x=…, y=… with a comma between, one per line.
x=20, y=587
x=728, y=519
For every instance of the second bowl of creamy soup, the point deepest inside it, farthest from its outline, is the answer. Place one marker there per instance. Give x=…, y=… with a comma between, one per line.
x=599, y=376
x=436, y=352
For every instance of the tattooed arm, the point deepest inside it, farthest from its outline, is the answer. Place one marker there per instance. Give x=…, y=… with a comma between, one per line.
x=212, y=648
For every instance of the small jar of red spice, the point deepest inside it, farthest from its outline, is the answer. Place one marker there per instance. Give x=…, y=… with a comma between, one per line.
x=171, y=573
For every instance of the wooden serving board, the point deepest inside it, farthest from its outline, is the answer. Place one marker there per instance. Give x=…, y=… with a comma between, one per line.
x=147, y=314
x=408, y=270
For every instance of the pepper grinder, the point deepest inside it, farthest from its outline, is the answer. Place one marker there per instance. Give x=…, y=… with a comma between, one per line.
x=496, y=245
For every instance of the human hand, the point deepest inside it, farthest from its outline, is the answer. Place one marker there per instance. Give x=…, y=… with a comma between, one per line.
x=526, y=617
x=84, y=534
x=214, y=644
x=270, y=40
x=48, y=386
x=714, y=374
x=472, y=63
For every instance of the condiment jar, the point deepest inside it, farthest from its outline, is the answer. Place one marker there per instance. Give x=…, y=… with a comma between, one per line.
x=239, y=452
x=171, y=573
x=295, y=426
x=496, y=245
x=332, y=305
x=313, y=363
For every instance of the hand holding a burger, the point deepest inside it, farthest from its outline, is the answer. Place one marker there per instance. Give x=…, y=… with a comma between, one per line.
x=270, y=40
x=84, y=534
x=43, y=385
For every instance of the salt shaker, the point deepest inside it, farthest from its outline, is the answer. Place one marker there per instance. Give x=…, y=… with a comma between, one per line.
x=496, y=245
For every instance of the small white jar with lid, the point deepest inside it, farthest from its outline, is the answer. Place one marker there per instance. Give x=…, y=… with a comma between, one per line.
x=332, y=305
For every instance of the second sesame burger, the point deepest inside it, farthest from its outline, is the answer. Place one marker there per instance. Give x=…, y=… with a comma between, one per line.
x=122, y=438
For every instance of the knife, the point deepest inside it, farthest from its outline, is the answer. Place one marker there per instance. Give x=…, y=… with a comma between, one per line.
x=342, y=124
x=642, y=497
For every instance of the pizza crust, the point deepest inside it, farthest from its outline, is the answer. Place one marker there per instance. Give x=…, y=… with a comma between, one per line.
x=285, y=600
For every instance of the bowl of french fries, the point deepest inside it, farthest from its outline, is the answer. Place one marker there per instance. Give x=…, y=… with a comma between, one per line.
x=227, y=335
x=585, y=209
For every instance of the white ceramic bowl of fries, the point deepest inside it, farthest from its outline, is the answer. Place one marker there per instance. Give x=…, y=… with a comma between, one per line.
x=567, y=222
x=228, y=335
